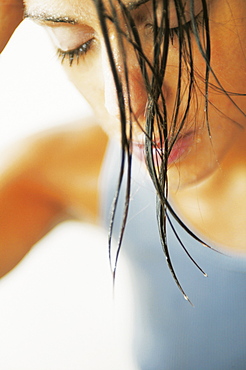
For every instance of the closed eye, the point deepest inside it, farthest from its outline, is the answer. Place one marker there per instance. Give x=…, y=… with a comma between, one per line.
x=75, y=54
x=176, y=32
x=186, y=27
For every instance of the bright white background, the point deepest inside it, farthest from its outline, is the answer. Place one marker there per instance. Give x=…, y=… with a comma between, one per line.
x=56, y=307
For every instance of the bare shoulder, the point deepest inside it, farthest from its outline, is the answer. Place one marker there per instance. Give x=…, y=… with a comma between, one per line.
x=64, y=165
x=76, y=144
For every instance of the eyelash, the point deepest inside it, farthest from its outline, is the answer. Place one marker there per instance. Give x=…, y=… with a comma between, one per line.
x=83, y=49
x=186, y=28
x=75, y=54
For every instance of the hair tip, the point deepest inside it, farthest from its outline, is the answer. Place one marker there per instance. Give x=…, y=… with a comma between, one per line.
x=188, y=300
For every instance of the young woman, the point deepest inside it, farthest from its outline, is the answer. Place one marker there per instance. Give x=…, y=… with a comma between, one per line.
x=167, y=80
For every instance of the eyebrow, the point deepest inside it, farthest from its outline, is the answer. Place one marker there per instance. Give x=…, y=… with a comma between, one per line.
x=46, y=17
x=136, y=4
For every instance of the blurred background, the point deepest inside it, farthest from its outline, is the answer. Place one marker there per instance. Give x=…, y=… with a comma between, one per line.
x=57, y=310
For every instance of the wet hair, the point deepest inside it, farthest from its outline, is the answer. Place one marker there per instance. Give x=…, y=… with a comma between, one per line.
x=159, y=124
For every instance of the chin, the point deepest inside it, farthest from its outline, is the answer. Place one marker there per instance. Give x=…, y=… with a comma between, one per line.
x=184, y=175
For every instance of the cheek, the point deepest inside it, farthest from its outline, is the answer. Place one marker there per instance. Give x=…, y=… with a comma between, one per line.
x=229, y=66
x=228, y=44
x=89, y=83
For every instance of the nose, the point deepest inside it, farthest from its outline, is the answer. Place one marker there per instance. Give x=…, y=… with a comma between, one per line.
x=134, y=87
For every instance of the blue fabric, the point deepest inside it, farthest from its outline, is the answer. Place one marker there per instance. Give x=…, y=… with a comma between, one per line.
x=170, y=334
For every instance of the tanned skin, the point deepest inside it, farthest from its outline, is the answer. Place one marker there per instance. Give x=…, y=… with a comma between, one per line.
x=48, y=178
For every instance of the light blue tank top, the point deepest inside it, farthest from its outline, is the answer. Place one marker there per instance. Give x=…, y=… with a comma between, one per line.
x=170, y=334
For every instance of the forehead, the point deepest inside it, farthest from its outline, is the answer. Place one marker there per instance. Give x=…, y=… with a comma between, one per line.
x=75, y=9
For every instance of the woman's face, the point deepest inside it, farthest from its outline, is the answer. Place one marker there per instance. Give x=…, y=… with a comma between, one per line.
x=77, y=34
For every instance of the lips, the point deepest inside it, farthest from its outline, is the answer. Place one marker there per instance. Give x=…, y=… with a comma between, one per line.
x=180, y=149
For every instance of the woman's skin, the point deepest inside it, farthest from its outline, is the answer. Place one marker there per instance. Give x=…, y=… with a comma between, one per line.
x=11, y=14
x=48, y=178
x=207, y=182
